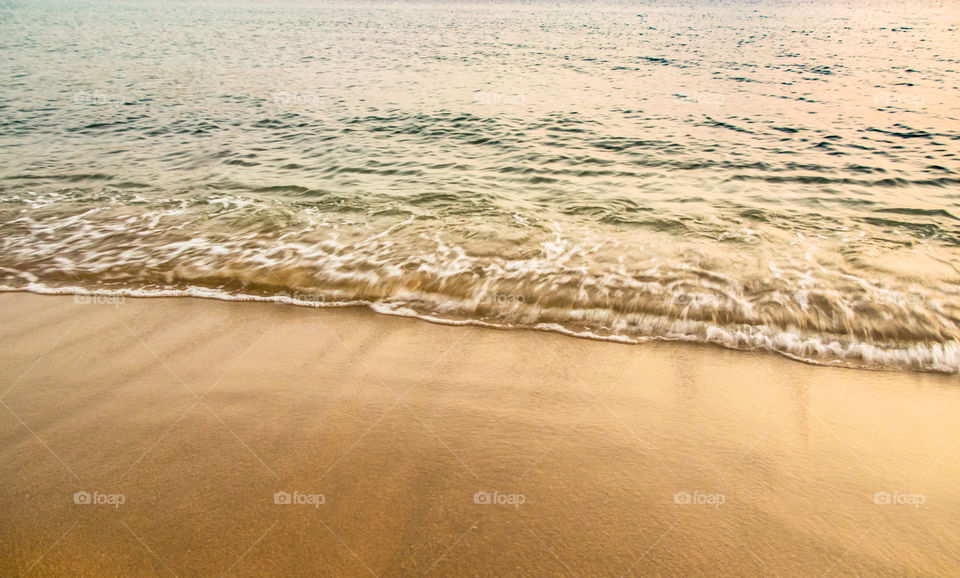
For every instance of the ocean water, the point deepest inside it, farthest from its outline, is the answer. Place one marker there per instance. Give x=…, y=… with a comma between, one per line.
x=759, y=175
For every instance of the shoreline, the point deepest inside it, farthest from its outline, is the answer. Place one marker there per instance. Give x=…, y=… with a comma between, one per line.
x=451, y=450
x=939, y=355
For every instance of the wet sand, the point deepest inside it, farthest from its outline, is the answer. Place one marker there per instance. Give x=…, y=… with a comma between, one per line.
x=195, y=414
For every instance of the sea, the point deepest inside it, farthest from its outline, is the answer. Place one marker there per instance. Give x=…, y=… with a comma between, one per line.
x=759, y=175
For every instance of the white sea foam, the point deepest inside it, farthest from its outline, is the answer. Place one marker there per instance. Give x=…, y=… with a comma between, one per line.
x=820, y=350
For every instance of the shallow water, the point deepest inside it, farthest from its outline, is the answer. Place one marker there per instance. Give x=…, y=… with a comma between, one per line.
x=759, y=176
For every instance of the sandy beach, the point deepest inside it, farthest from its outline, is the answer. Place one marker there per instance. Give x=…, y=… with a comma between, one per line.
x=218, y=438
x=483, y=288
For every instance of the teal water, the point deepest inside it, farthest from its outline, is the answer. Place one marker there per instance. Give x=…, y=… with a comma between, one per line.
x=759, y=175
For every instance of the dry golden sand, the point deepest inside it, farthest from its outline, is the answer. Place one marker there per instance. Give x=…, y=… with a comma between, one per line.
x=197, y=412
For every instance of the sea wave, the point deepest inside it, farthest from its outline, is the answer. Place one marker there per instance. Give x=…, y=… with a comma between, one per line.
x=822, y=299
x=627, y=182
x=829, y=350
